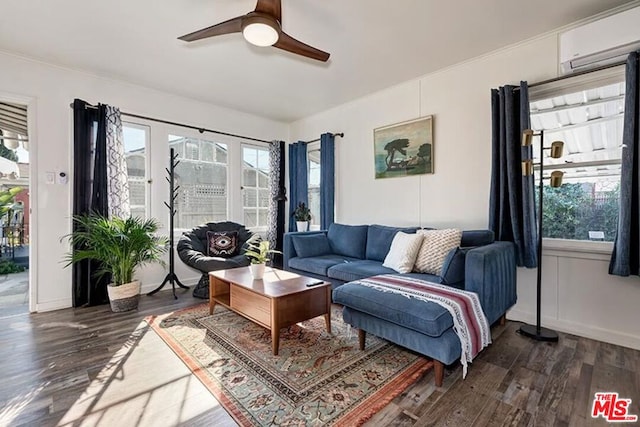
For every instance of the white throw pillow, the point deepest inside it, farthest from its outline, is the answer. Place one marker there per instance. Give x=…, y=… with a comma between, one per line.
x=403, y=252
x=436, y=244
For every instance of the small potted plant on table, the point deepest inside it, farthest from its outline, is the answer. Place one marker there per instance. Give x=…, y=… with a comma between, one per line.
x=258, y=254
x=120, y=245
x=302, y=215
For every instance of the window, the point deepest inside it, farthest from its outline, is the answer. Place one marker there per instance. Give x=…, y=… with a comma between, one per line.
x=255, y=187
x=202, y=178
x=313, y=182
x=135, y=138
x=589, y=121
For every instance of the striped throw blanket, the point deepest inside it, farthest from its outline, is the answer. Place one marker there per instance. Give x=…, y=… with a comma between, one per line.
x=469, y=321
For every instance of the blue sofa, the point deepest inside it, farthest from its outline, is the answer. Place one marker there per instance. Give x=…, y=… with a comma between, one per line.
x=347, y=253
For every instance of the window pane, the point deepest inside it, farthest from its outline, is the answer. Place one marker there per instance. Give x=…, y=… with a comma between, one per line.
x=255, y=182
x=314, y=187
x=589, y=123
x=135, y=142
x=202, y=196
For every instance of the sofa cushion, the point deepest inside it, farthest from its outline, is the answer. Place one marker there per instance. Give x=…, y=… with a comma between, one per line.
x=358, y=269
x=379, y=238
x=453, y=268
x=311, y=245
x=435, y=247
x=318, y=265
x=472, y=238
x=348, y=240
x=423, y=316
x=403, y=252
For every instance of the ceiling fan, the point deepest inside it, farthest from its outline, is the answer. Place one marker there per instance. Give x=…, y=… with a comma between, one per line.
x=262, y=27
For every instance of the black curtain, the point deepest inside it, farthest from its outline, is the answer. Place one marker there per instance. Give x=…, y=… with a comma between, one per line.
x=89, y=193
x=512, y=215
x=625, y=259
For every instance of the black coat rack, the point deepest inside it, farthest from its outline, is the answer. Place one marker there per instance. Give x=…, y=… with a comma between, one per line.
x=173, y=193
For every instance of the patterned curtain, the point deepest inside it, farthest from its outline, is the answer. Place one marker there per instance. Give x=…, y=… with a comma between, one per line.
x=274, y=191
x=117, y=177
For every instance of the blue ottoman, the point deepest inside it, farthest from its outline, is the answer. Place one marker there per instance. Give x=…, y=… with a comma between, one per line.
x=424, y=327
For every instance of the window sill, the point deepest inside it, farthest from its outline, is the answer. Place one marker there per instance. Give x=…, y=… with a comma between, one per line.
x=577, y=248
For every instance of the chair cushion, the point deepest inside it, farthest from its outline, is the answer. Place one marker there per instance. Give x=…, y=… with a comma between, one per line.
x=348, y=240
x=403, y=252
x=379, y=238
x=311, y=245
x=357, y=269
x=222, y=243
x=422, y=316
x=435, y=247
x=319, y=264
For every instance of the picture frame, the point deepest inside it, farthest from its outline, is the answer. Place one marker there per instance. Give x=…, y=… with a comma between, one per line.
x=404, y=149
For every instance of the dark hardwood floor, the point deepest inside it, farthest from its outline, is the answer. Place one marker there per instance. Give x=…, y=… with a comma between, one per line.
x=92, y=367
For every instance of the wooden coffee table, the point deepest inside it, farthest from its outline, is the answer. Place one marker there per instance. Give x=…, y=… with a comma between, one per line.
x=279, y=300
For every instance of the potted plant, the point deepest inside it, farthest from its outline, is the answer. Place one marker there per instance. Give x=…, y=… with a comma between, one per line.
x=258, y=254
x=302, y=215
x=120, y=245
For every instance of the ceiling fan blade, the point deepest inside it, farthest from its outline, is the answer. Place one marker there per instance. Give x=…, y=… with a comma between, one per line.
x=288, y=43
x=231, y=26
x=270, y=7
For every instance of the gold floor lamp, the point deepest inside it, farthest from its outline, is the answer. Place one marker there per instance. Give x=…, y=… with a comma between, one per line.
x=536, y=331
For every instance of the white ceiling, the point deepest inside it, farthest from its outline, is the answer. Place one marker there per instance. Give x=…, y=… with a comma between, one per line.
x=373, y=44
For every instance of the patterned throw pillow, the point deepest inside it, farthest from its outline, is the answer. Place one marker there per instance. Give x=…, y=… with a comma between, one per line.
x=222, y=243
x=435, y=247
x=403, y=251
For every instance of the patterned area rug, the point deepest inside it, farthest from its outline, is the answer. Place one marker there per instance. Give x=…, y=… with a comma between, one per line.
x=317, y=379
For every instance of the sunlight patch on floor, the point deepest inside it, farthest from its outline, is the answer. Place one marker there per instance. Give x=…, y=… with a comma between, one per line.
x=144, y=383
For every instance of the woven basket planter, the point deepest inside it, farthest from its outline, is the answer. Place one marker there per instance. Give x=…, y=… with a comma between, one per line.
x=124, y=297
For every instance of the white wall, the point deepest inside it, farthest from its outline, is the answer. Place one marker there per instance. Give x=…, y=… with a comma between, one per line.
x=578, y=294
x=49, y=90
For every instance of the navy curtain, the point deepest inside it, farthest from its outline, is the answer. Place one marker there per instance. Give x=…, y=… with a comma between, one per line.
x=625, y=259
x=512, y=215
x=327, y=180
x=298, y=188
x=89, y=193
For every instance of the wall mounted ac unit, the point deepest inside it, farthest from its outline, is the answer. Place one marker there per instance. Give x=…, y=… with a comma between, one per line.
x=601, y=42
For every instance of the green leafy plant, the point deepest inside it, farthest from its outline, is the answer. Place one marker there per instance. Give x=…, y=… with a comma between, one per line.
x=121, y=245
x=258, y=253
x=7, y=199
x=302, y=212
x=10, y=267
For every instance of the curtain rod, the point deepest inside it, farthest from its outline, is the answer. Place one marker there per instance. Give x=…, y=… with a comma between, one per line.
x=341, y=135
x=576, y=74
x=166, y=122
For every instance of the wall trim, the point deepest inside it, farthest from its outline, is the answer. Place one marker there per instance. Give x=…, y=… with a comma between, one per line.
x=58, y=304
x=582, y=330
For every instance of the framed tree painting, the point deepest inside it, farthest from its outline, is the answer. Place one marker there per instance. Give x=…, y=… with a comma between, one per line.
x=404, y=149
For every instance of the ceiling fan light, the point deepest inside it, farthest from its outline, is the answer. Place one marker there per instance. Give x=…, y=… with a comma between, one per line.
x=260, y=34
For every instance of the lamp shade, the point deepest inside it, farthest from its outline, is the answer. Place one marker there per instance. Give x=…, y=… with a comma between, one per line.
x=260, y=30
x=556, y=149
x=527, y=137
x=556, y=179
x=527, y=168
x=10, y=140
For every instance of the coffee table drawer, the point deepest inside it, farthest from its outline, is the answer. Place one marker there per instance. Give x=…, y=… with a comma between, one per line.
x=252, y=305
